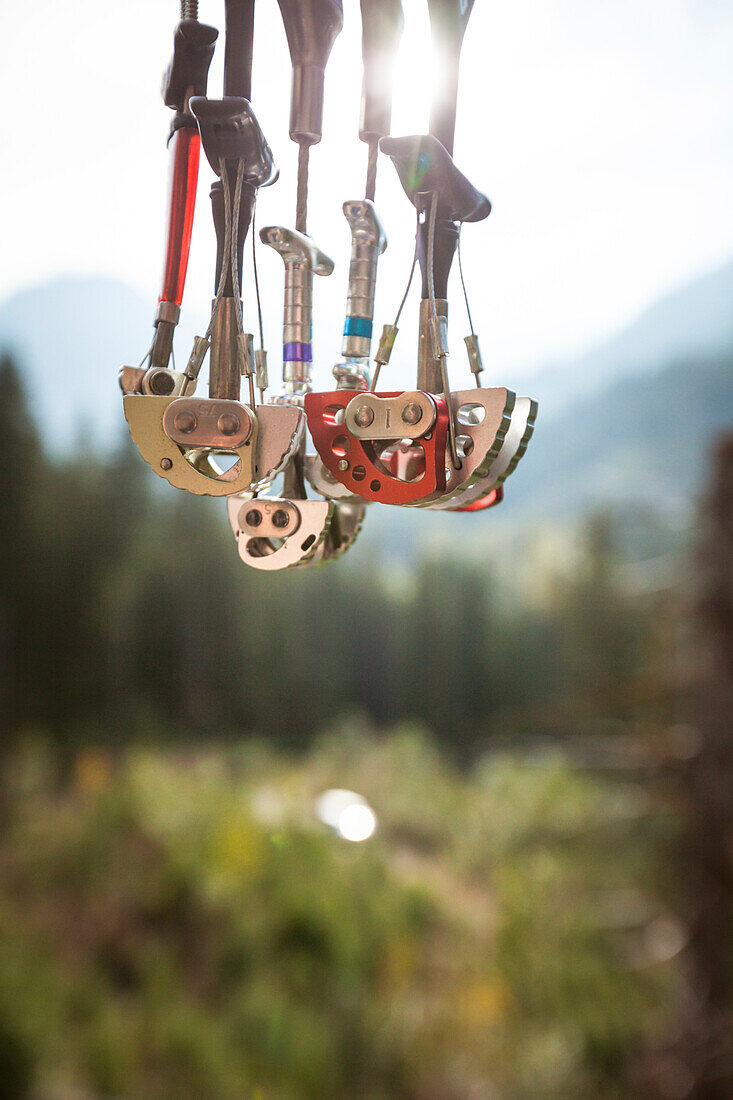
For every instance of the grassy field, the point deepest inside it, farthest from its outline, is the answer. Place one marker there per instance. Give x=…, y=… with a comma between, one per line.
x=180, y=925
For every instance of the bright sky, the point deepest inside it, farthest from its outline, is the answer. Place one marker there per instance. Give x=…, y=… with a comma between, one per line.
x=603, y=133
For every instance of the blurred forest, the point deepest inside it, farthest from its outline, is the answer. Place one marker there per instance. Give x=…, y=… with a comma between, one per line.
x=526, y=921
x=127, y=614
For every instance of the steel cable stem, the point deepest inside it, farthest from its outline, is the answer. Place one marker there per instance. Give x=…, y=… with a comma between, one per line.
x=434, y=315
x=234, y=264
x=225, y=249
x=431, y=252
x=234, y=245
x=301, y=202
x=371, y=177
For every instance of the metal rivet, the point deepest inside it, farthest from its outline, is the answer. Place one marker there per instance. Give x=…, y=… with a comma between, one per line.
x=253, y=518
x=363, y=416
x=343, y=465
x=464, y=445
x=412, y=413
x=280, y=518
x=228, y=424
x=161, y=382
x=184, y=422
x=165, y=464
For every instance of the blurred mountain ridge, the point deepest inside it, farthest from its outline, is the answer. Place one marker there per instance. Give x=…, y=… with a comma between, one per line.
x=643, y=440
x=70, y=335
x=694, y=320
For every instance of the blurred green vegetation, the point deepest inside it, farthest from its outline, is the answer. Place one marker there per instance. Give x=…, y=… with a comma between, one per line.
x=179, y=924
x=175, y=922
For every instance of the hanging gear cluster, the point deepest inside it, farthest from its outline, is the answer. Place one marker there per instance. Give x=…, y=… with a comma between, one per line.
x=431, y=447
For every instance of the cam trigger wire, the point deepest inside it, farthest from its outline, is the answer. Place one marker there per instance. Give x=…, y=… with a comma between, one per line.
x=256, y=279
x=201, y=344
x=409, y=281
x=233, y=262
x=146, y=356
x=378, y=361
x=463, y=282
x=260, y=354
x=440, y=350
x=225, y=250
x=234, y=265
x=471, y=341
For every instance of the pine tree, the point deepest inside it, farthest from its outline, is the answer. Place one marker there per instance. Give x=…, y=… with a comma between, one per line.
x=23, y=471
